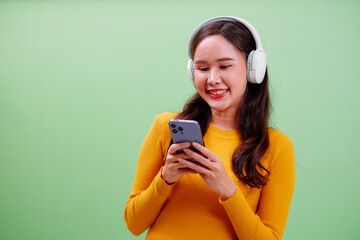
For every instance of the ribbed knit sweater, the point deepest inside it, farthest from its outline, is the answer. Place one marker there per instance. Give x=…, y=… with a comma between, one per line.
x=189, y=209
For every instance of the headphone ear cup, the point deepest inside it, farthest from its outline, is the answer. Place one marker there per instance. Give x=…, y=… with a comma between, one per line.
x=256, y=66
x=190, y=69
x=249, y=65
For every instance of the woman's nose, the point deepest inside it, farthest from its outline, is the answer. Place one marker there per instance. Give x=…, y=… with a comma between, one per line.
x=214, y=77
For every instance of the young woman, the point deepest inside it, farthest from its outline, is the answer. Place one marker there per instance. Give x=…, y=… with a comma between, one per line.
x=245, y=190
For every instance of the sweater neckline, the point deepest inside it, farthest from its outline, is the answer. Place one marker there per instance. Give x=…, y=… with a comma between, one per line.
x=222, y=133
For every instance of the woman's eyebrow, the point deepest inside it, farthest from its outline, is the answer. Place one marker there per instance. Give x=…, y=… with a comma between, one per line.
x=218, y=60
x=225, y=59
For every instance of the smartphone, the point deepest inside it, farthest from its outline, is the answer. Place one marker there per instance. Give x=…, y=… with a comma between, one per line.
x=186, y=131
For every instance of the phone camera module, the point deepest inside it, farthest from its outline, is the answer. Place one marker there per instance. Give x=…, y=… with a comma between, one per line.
x=174, y=131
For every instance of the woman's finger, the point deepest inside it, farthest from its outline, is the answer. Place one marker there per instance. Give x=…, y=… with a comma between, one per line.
x=174, y=157
x=195, y=167
x=178, y=146
x=187, y=170
x=198, y=157
x=206, y=152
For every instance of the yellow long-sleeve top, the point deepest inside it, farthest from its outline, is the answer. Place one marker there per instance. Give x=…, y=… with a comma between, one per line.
x=189, y=209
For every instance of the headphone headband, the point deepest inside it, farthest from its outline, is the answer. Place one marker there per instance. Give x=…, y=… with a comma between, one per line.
x=248, y=25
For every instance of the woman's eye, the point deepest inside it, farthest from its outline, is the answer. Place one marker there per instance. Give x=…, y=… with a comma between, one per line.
x=225, y=66
x=203, y=69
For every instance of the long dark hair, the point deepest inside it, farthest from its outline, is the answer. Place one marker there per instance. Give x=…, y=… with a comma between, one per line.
x=251, y=118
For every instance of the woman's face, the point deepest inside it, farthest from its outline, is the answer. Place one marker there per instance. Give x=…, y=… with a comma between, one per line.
x=220, y=73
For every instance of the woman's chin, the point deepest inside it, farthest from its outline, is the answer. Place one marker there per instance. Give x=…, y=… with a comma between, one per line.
x=219, y=108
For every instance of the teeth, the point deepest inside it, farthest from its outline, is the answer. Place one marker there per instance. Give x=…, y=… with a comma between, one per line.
x=218, y=92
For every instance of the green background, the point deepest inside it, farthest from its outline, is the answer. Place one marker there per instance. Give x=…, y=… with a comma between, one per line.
x=81, y=82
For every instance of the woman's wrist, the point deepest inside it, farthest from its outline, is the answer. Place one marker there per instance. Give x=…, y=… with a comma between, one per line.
x=164, y=178
x=228, y=191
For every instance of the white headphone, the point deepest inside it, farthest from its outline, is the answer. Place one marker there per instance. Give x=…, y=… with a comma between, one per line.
x=256, y=63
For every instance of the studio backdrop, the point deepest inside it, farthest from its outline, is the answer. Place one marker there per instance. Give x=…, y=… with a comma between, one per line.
x=81, y=82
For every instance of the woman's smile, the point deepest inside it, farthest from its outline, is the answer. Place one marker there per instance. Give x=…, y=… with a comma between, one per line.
x=217, y=93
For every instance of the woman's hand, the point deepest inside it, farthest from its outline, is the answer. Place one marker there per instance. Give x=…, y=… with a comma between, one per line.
x=173, y=169
x=215, y=175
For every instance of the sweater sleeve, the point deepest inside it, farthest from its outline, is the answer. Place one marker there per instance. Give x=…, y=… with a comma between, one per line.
x=275, y=199
x=149, y=191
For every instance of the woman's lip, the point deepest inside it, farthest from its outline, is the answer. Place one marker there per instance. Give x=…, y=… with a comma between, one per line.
x=216, y=89
x=217, y=95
